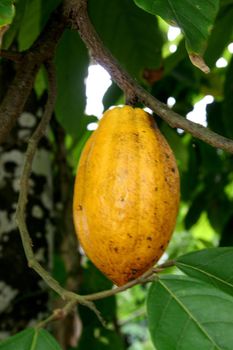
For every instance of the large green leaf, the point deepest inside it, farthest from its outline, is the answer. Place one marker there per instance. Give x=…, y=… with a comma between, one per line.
x=30, y=339
x=30, y=17
x=29, y=24
x=20, y=7
x=195, y=19
x=130, y=34
x=210, y=265
x=35, y=16
x=7, y=11
x=219, y=37
x=71, y=66
x=214, y=117
x=184, y=313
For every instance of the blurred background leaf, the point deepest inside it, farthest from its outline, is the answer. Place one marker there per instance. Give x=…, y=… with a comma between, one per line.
x=7, y=12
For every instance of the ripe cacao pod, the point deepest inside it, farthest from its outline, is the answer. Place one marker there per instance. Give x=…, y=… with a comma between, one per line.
x=126, y=194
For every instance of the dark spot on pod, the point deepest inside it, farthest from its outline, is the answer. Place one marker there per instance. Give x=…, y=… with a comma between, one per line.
x=156, y=189
x=173, y=170
x=136, y=134
x=122, y=199
x=134, y=271
x=149, y=238
x=143, y=131
x=149, y=246
x=138, y=258
x=80, y=207
x=162, y=246
x=129, y=235
x=167, y=156
x=115, y=249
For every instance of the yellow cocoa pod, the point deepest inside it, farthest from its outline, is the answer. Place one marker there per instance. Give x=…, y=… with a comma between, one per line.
x=126, y=194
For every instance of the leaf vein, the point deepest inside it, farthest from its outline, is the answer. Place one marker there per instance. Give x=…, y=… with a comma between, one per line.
x=207, y=274
x=189, y=314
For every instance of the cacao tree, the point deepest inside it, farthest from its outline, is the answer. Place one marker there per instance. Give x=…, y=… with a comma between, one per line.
x=51, y=294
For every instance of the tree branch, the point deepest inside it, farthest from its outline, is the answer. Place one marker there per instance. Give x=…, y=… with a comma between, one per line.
x=88, y=299
x=29, y=63
x=81, y=22
x=11, y=55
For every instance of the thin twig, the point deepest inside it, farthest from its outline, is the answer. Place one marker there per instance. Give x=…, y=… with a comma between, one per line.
x=148, y=276
x=58, y=314
x=87, y=300
x=132, y=90
x=11, y=55
x=24, y=183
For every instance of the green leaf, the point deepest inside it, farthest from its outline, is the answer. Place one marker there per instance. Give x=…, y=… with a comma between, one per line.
x=214, y=117
x=7, y=11
x=171, y=61
x=30, y=339
x=121, y=26
x=71, y=67
x=195, y=210
x=20, y=7
x=29, y=24
x=40, y=84
x=219, y=37
x=35, y=17
x=210, y=265
x=195, y=19
x=112, y=96
x=47, y=7
x=228, y=102
x=184, y=313
x=189, y=179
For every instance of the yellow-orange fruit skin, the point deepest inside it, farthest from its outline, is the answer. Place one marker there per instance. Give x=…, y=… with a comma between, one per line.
x=126, y=194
